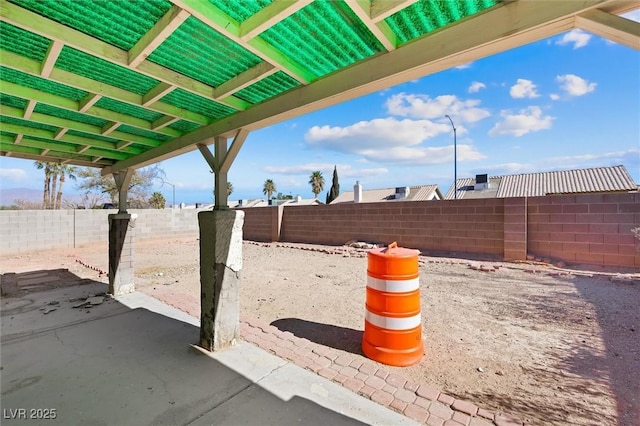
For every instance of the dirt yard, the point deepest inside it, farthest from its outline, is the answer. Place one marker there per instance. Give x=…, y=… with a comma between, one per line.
x=547, y=345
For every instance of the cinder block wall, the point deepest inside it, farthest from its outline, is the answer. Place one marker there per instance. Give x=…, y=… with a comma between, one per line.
x=259, y=223
x=594, y=229
x=28, y=230
x=471, y=226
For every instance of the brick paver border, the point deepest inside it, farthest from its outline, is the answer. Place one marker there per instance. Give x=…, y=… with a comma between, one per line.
x=418, y=401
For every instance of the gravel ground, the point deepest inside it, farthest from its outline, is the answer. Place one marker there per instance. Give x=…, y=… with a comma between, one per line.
x=551, y=346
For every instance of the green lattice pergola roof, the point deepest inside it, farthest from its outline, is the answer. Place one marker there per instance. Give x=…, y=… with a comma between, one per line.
x=122, y=84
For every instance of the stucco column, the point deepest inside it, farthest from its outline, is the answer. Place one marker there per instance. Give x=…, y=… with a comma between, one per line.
x=121, y=253
x=220, y=265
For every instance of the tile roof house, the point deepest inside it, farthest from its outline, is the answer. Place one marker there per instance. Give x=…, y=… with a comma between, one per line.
x=580, y=181
x=405, y=193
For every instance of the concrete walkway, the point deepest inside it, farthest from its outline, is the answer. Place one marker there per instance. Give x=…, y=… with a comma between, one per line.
x=69, y=360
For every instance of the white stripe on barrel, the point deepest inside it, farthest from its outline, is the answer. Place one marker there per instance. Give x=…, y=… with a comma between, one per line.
x=389, y=323
x=393, y=286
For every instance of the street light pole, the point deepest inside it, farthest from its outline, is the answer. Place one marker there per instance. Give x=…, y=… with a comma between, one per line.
x=455, y=160
x=173, y=187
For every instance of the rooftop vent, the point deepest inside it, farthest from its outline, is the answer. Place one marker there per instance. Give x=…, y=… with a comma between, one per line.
x=402, y=192
x=482, y=182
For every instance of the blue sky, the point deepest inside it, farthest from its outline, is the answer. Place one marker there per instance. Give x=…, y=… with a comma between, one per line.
x=570, y=101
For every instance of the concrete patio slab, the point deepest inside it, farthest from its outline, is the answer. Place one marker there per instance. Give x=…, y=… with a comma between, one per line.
x=132, y=360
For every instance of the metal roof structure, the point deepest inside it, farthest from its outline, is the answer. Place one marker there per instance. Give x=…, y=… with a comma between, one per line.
x=123, y=84
x=416, y=193
x=593, y=180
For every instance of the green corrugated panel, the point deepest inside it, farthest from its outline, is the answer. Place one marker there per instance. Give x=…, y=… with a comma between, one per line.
x=203, y=54
x=13, y=135
x=240, y=10
x=132, y=110
x=25, y=123
x=91, y=136
x=324, y=36
x=69, y=115
x=27, y=80
x=146, y=133
x=267, y=88
x=184, y=126
x=12, y=101
x=17, y=40
x=120, y=23
x=425, y=16
x=189, y=101
x=77, y=62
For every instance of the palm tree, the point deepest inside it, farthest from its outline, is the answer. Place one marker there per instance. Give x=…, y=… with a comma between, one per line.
x=317, y=182
x=47, y=182
x=229, y=188
x=64, y=170
x=269, y=188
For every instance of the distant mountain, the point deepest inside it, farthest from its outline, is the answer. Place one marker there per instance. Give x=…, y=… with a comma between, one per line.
x=8, y=196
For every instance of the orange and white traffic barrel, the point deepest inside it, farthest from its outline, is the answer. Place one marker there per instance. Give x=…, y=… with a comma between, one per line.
x=393, y=324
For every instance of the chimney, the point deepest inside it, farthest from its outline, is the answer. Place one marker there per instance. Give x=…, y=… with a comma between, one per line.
x=357, y=192
x=240, y=203
x=298, y=199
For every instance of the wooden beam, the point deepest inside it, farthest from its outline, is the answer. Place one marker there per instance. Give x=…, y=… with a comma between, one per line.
x=382, y=9
x=60, y=133
x=83, y=149
x=230, y=28
x=268, y=16
x=159, y=33
x=121, y=145
x=208, y=157
x=71, y=139
x=44, y=152
x=53, y=30
x=157, y=93
x=88, y=101
x=28, y=111
x=247, y=78
x=18, y=139
x=163, y=122
x=55, y=47
x=380, y=30
x=233, y=150
x=109, y=128
x=501, y=28
x=612, y=27
x=29, y=66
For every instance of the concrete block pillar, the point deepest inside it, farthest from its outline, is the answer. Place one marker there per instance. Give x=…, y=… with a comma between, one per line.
x=121, y=253
x=515, y=229
x=220, y=265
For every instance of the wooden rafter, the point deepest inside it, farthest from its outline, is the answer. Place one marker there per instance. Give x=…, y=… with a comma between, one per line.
x=50, y=58
x=269, y=16
x=382, y=9
x=230, y=28
x=612, y=27
x=247, y=78
x=381, y=30
x=159, y=33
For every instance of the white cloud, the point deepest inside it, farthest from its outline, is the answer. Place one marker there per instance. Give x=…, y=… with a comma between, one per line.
x=476, y=86
x=423, y=155
x=345, y=170
x=577, y=37
x=528, y=120
x=13, y=175
x=630, y=156
x=424, y=107
x=523, y=89
x=554, y=96
x=380, y=133
x=574, y=85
